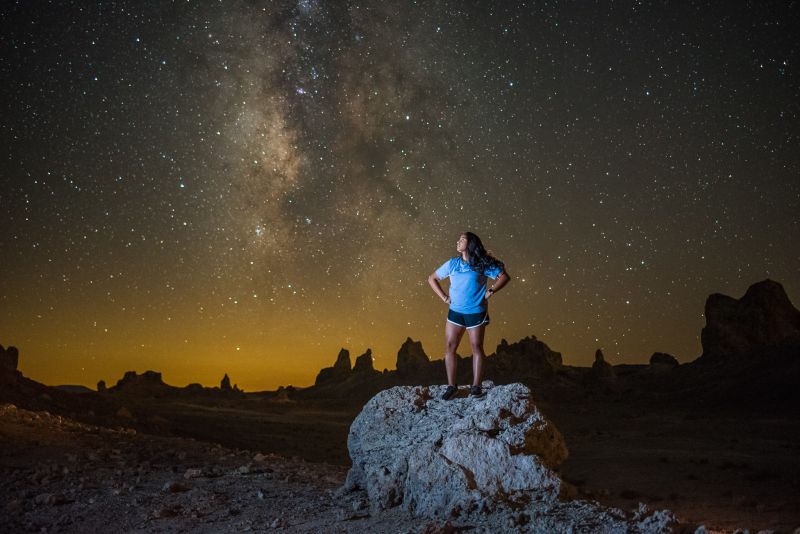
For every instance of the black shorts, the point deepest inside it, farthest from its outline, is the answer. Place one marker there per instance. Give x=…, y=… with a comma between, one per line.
x=468, y=320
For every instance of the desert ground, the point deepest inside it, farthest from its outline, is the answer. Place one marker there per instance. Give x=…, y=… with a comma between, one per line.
x=261, y=465
x=64, y=476
x=728, y=470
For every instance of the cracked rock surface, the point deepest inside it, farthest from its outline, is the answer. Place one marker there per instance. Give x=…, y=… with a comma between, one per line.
x=486, y=460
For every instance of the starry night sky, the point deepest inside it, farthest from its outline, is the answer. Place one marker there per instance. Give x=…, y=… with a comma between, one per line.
x=246, y=187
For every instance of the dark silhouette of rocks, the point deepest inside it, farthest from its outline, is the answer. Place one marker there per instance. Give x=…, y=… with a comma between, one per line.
x=662, y=358
x=528, y=357
x=762, y=320
x=411, y=359
x=101, y=386
x=339, y=372
x=601, y=369
x=225, y=383
x=72, y=388
x=148, y=383
x=364, y=363
x=195, y=388
x=149, y=378
x=9, y=358
x=343, y=361
x=284, y=394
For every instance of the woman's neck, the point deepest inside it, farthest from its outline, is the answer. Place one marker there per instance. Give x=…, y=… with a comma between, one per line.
x=465, y=257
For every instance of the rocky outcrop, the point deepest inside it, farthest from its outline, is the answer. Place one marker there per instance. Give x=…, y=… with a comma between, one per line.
x=762, y=319
x=663, y=359
x=488, y=461
x=364, y=364
x=411, y=359
x=528, y=357
x=340, y=370
x=436, y=458
x=601, y=369
x=148, y=383
x=9, y=359
x=195, y=388
x=225, y=383
x=149, y=378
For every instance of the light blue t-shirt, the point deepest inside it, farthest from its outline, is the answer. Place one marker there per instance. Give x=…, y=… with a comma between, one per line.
x=467, y=287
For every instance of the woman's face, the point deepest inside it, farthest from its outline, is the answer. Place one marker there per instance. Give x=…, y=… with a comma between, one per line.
x=461, y=244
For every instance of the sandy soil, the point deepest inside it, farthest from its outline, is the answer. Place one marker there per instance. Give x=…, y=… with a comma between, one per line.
x=726, y=471
x=283, y=462
x=62, y=476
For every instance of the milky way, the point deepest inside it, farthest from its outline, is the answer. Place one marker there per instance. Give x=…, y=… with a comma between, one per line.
x=246, y=187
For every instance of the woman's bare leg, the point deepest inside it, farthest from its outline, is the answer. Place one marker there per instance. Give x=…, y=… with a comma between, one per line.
x=452, y=338
x=476, y=340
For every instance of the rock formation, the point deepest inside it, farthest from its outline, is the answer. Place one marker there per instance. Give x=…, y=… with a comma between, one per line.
x=436, y=458
x=225, y=384
x=340, y=370
x=663, y=359
x=528, y=357
x=148, y=377
x=194, y=388
x=364, y=363
x=762, y=319
x=101, y=386
x=148, y=383
x=9, y=358
x=411, y=359
x=601, y=369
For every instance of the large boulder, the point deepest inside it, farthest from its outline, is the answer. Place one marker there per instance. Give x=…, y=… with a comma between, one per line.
x=412, y=360
x=763, y=318
x=437, y=458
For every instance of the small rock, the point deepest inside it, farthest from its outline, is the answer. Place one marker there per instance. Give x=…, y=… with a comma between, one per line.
x=175, y=487
x=193, y=472
x=243, y=470
x=168, y=511
x=44, y=498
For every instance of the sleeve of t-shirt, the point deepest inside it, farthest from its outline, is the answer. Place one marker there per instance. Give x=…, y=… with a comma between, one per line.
x=443, y=271
x=493, y=272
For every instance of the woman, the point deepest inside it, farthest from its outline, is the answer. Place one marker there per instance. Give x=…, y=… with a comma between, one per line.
x=469, y=306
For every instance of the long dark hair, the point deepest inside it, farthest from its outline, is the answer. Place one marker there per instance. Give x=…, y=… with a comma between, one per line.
x=479, y=259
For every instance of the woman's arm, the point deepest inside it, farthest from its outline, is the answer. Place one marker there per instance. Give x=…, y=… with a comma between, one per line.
x=433, y=280
x=501, y=280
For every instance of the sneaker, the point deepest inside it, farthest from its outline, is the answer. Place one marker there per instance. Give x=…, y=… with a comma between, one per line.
x=476, y=391
x=450, y=392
